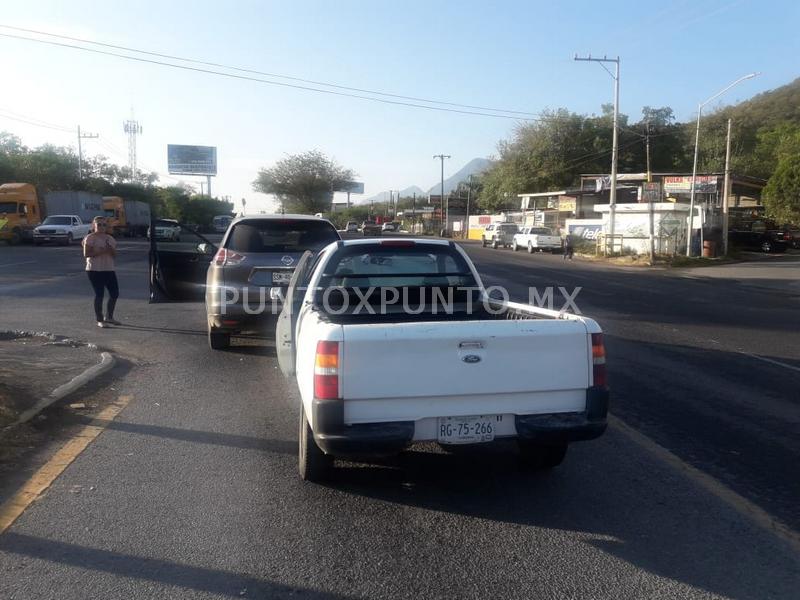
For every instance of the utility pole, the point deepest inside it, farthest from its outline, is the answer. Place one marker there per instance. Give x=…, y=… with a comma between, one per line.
x=726, y=192
x=447, y=210
x=469, y=196
x=414, y=217
x=694, y=168
x=83, y=136
x=650, y=195
x=612, y=203
x=132, y=128
x=208, y=185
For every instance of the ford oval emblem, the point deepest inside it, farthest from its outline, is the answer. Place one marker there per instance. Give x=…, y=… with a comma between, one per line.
x=287, y=260
x=471, y=359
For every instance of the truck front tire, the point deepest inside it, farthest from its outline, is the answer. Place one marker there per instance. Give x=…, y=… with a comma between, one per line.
x=542, y=456
x=312, y=463
x=68, y=242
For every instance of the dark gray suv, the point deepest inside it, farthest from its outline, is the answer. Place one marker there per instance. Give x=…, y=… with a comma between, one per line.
x=252, y=268
x=242, y=277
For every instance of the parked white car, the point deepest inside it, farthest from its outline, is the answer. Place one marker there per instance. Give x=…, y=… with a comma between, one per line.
x=475, y=380
x=535, y=239
x=63, y=229
x=167, y=229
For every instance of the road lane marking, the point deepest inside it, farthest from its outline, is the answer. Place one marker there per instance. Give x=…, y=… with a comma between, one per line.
x=27, y=262
x=739, y=503
x=47, y=473
x=770, y=361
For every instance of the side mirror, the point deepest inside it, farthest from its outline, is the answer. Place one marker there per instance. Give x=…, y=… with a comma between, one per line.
x=205, y=248
x=23, y=209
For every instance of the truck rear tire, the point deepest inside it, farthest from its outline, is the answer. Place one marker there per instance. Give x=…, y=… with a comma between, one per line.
x=219, y=341
x=542, y=456
x=312, y=463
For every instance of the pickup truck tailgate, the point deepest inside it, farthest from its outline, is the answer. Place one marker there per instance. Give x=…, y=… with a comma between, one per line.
x=428, y=369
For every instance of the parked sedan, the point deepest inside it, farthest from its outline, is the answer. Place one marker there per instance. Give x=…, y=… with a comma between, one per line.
x=764, y=241
x=390, y=226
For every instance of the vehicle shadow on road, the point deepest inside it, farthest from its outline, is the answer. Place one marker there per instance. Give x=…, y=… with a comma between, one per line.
x=644, y=519
x=117, y=564
x=169, y=330
x=200, y=437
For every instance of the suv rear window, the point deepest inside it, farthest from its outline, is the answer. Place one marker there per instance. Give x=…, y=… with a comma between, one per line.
x=280, y=235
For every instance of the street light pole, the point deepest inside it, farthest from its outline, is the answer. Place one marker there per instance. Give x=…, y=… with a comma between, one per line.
x=725, y=192
x=694, y=167
x=447, y=209
x=612, y=202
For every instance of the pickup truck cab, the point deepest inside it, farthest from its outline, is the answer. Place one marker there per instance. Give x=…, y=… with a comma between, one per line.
x=63, y=229
x=535, y=239
x=370, y=228
x=499, y=234
x=381, y=363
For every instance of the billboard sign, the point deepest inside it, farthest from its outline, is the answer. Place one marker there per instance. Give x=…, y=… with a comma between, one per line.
x=353, y=187
x=704, y=184
x=191, y=160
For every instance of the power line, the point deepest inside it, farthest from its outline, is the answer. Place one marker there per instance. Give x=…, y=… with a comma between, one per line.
x=268, y=82
x=22, y=120
x=267, y=74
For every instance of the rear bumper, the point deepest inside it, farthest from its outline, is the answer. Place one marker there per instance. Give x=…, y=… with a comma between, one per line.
x=336, y=438
x=567, y=427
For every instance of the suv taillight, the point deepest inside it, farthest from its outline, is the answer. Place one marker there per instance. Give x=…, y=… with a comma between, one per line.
x=225, y=257
x=326, y=371
x=598, y=361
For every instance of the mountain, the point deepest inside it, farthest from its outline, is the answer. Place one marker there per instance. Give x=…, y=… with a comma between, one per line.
x=473, y=167
x=384, y=196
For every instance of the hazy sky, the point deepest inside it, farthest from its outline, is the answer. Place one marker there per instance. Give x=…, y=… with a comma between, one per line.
x=509, y=55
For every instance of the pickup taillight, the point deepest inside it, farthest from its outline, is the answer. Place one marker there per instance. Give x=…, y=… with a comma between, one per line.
x=326, y=371
x=598, y=361
x=225, y=257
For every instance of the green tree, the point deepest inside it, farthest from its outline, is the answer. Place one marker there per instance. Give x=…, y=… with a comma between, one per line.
x=304, y=183
x=782, y=194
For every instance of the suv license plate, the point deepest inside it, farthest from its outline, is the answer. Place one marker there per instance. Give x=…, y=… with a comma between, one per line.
x=281, y=277
x=467, y=430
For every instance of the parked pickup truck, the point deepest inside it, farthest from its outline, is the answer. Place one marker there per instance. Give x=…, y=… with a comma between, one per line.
x=63, y=229
x=536, y=239
x=377, y=372
x=499, y=234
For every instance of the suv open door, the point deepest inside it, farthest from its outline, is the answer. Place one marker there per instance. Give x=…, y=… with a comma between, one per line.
x=178, y=262
x=287, y=319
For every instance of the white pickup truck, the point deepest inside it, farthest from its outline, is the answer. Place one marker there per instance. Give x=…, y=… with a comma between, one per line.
x=394, y=342
x=61, y=228
x=536, y=239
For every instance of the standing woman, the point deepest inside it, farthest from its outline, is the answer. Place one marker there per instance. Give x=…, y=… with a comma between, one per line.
x=99, y=248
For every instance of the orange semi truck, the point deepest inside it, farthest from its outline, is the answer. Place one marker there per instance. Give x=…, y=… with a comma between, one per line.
x=129, y=218
x=23, y=208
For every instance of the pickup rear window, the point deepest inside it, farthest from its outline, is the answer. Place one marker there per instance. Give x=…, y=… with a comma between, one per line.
x=383, y=265
x=280, y=235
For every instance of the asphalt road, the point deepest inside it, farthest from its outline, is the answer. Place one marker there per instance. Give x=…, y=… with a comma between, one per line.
x=192, y=490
